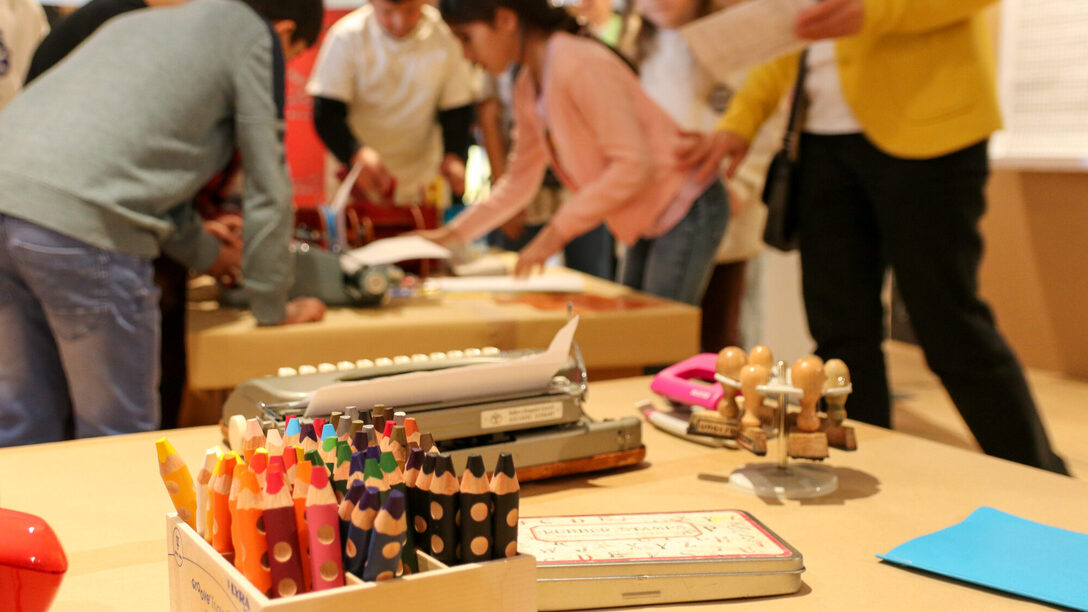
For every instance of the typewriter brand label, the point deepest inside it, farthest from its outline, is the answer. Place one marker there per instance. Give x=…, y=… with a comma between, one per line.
x=521, y=415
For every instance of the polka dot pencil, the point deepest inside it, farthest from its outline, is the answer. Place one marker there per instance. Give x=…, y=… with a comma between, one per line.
x=444, y=508
x=298, y=498
x=475, y=512
x=387, y=540
x=505, y=492
x=326, y=562
x=362, y=522
x=220, y=502
x=251, y=530
x=281, y=530
x=421, y=517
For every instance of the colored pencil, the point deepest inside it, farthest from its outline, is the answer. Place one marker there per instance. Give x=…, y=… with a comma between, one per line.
x=395, y=477
x=342, y=470
x=343, y=427
x=236, y=481
x=326, y=560
x=355, y=472
x=298, y=498
x=203, y=492
x=273, y=441
x=258, y=464
x=179, y=482
x=505, y=492
x=444, y=507
x=411, y=429
x=220, y=527
x=362, y=522
x=386, y=540
x=292, y=431
x=421, y=521
x=398, y=444
x=254, y=439
x=346, y=506
x=374, y=477
x=475, y=512
x=253, y=551
x=281, y=529
x=426, y=442
x=366, y=415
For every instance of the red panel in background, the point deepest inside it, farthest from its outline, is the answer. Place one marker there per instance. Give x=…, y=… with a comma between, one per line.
x=305, y=152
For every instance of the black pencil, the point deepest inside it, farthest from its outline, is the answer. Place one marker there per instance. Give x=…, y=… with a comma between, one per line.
x=475, y=512
x=505, y=492
x=444, y=508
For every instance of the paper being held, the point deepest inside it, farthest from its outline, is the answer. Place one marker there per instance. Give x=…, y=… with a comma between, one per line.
x=745, y=35
x=391, y=250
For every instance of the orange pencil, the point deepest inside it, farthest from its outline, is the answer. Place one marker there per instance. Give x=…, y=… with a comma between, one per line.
x=298, y=496
x=240, y=469
x=220, y=528
x=411, y=429
x=179, y=482
x=326, y=553
x=284, y=555
x=253, y=439
x=290, y=459
x=251, y=529
x=203, y=485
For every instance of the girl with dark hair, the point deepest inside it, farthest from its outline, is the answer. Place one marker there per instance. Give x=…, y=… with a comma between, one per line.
x=580, y=108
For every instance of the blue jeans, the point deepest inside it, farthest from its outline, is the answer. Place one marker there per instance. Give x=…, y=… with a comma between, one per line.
x=79, y=327
x=677, y=264
x=590, y=253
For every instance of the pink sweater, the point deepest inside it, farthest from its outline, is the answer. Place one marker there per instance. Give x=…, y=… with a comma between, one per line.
x=611, y=145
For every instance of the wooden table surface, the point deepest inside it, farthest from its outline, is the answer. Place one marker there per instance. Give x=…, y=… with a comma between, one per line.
x=107, y=504
x=619, y=329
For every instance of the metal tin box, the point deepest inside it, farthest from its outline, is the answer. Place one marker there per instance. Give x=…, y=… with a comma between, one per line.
x=600, y=561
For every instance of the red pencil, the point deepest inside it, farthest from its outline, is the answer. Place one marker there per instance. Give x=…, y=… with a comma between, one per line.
x=326, y=554
x=281, y=530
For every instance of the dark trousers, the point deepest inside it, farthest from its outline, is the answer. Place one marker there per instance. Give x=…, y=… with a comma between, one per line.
x=172, y=279
x=862, y=211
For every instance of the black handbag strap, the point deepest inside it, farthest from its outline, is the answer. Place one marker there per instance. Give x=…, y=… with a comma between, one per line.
x=792, y=138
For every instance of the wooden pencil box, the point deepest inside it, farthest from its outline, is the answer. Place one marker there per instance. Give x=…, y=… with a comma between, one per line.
x=203, y=580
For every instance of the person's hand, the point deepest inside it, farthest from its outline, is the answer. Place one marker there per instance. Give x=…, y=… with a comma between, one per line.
x=830, y=19
x=547, y=243
x=441, y=236
x=704, y=153
x=375, y=180
x=454, y=170
x=514, y=228
x=227, y=267
x=304, y=310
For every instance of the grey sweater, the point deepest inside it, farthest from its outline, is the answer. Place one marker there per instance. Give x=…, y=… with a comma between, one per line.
x=105, y=145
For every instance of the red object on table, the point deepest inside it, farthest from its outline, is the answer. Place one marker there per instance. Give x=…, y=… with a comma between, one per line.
x=32, y=562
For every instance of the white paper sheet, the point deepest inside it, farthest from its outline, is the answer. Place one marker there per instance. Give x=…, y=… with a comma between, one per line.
x=744, y=35
x=511, y=376
x=390, y=250
x=546, y=283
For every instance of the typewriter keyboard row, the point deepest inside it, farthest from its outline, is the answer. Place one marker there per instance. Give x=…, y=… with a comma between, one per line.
x=386, y=361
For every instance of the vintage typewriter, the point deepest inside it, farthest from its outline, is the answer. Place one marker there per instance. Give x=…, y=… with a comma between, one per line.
x=545, y=429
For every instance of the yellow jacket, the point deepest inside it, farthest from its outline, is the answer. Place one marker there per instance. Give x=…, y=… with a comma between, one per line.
x=919, y=78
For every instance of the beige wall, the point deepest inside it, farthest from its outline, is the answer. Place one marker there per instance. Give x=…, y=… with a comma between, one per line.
x=1035, y=270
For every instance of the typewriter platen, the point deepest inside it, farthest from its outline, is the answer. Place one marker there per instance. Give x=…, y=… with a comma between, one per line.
x=546, y=430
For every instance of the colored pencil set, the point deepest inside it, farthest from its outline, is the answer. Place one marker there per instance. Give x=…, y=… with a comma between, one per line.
x=295, y=512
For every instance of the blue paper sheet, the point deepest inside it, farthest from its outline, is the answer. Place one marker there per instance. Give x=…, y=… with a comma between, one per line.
x=1005, y=552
